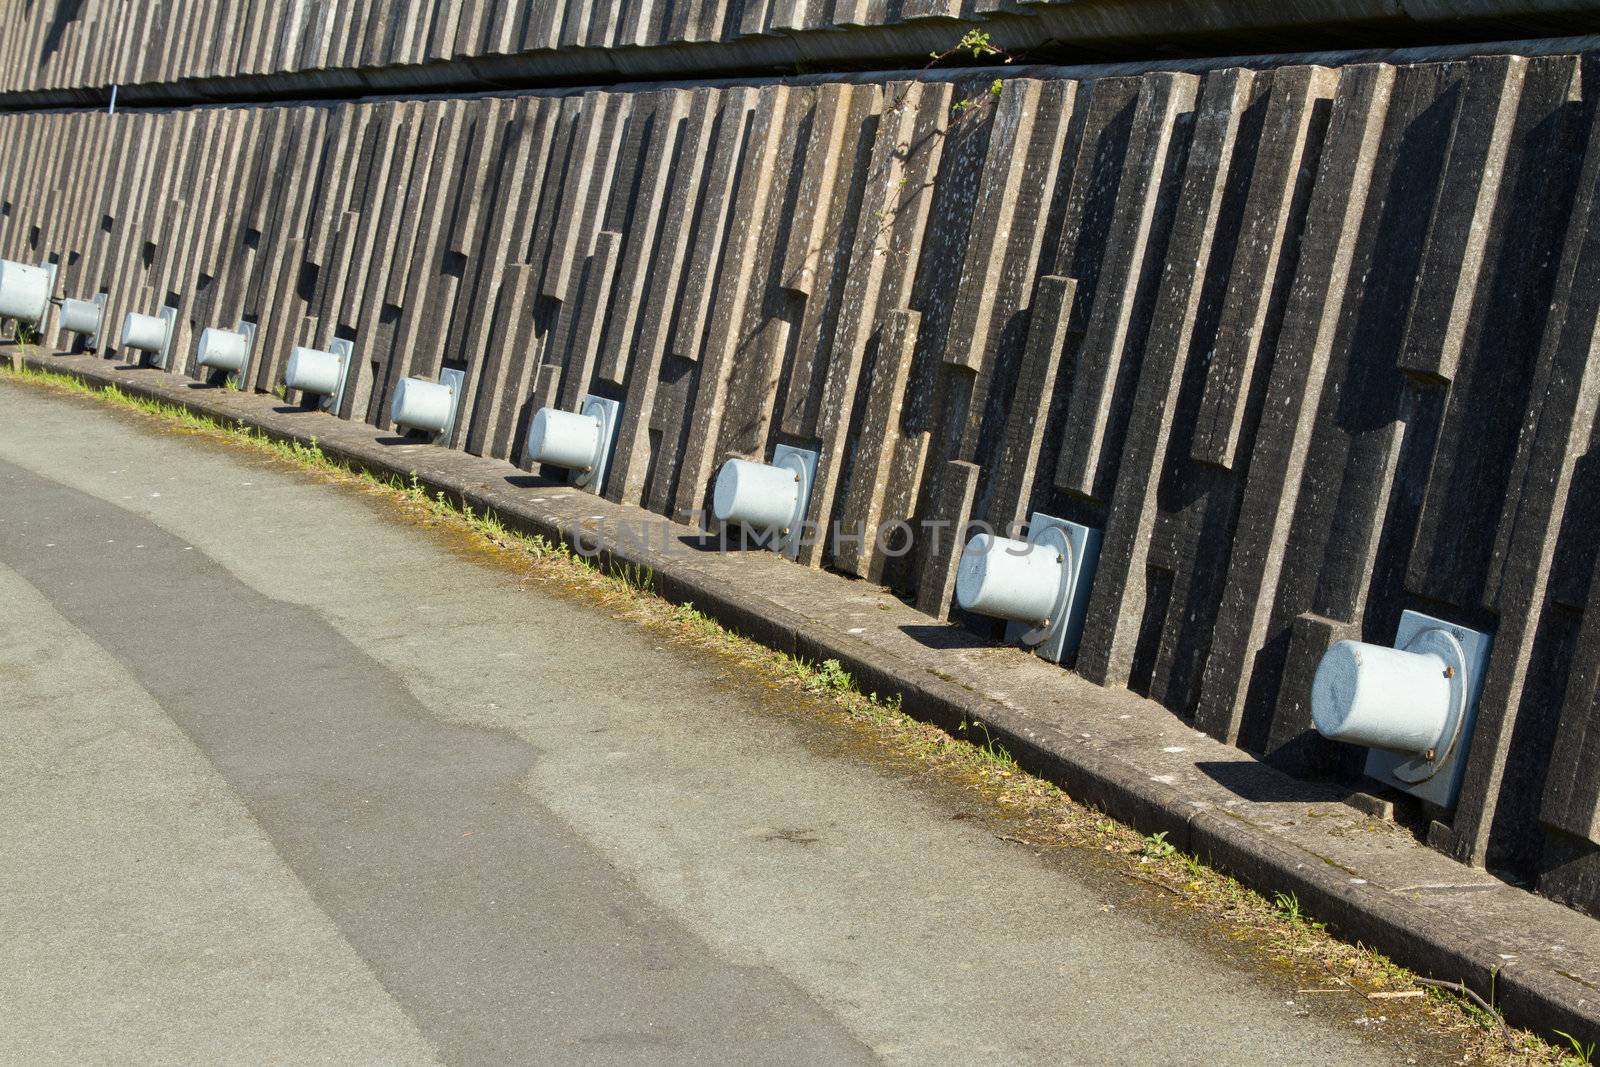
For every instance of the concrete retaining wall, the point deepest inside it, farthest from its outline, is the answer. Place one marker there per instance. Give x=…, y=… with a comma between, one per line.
x=63, y=52
x=1312, y=345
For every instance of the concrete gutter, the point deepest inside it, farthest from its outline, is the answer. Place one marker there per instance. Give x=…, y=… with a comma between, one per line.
x=1370, y=881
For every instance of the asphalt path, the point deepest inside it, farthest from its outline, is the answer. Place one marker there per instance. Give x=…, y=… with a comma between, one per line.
x=285, y=780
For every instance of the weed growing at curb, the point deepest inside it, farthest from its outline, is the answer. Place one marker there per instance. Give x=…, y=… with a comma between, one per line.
x=1157, y=847
x=1582, y=1054
x=1289, y=905
x=991, y=749
x=1021, y=808
x=830, y=677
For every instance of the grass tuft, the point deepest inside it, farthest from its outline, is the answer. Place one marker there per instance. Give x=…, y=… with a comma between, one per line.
x=1582, y=1054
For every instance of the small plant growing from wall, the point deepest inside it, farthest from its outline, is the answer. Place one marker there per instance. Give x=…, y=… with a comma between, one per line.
x=978, y=45
x=981, y=46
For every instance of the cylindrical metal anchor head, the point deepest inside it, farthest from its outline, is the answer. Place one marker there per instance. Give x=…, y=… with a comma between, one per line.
x=1381, y=697
x=80, y=316
x=144, y=332
x=421, y=405
x=1010, y=579
x=24, y=292
x=222, y=349
x=312, y=370
x=564, y=439
x=759, y=495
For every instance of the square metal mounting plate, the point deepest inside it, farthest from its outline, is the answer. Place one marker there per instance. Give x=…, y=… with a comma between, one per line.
x=53, y=270
x=457, y=381
x=168, y=315
x=92, y=341
x=607, y=411
x=1062, y=644
x=346, y=351
x=1445, y=785
x=237, y=379
x=789, y=544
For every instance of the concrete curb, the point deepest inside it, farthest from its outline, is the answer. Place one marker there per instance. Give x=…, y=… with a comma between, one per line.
x=1538, y=960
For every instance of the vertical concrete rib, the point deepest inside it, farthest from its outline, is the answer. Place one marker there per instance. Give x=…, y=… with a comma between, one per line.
x=860, y=550
x=1290, y=132
x=1557, y=426
x=1294, y=388
x=816, y=257
x=883, y=265
x=667, y=116
x=1154, y=153
x=1117, y=603
x=739, y=273
x=634, y=449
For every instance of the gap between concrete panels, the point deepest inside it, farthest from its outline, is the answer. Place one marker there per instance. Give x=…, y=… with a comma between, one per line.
x=1369, y=881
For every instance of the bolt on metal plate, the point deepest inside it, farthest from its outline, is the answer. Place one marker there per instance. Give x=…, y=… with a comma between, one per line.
x=608, y=412
x=1058, y=640
x=457, y=381
x=346, y=351
x=803, y=462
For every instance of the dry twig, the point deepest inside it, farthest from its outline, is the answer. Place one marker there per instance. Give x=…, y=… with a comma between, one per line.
x=1461, y=988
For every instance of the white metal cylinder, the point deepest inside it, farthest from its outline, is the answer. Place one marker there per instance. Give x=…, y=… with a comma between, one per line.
x=24, y=291
x=421, y=405
x=222, y=349
x=759, y=495
x=311, y=370
x=144, y=332
x=1009, y=579
x=80, y=316
x=1381, y=697
x=564, y=439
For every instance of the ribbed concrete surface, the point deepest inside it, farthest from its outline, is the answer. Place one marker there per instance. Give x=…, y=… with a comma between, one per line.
x=1312, y=344
x=55, y=52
